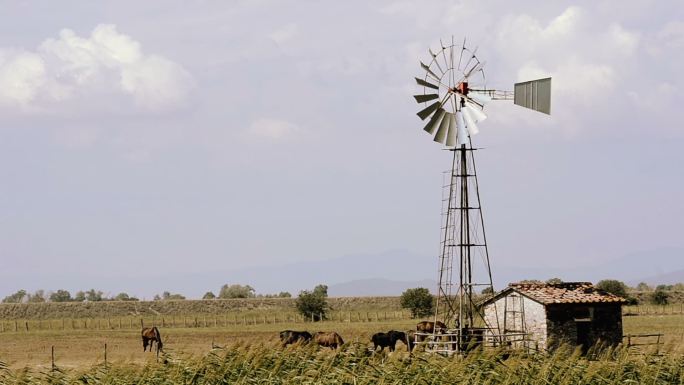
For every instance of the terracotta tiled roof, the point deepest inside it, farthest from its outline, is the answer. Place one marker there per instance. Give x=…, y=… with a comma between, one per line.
x=566, y=292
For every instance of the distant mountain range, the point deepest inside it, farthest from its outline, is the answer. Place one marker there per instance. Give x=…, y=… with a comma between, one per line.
x=387, y=273
x=392, y=272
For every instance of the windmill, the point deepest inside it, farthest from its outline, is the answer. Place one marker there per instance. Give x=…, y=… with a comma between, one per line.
x=454, y=95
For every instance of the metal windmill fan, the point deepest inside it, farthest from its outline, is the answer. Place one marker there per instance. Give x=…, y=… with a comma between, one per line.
x=454, y=96
x=454, y=85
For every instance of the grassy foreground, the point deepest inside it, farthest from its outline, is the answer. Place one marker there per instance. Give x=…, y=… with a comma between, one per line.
x=267, y=363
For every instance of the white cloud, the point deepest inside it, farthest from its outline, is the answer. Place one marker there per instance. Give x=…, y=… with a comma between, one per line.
x=272, y=128
x=284, y=34
x=21, y=76
x=85, y=68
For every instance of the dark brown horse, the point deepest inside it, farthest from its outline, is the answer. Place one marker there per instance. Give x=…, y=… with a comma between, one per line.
x=150, y=336
x=291, y=336
x=328, y=339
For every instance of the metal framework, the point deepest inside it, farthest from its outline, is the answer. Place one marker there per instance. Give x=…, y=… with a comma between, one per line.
x=454, y=93
x=463, y=252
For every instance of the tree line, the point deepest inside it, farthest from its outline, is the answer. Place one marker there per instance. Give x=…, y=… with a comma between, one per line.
x=41, y=296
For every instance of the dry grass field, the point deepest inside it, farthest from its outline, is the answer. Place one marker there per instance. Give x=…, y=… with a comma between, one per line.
x=78, y=348
x=83, y=348
x=249, y=350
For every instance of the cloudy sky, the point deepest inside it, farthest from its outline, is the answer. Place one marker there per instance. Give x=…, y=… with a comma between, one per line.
x=153, y=138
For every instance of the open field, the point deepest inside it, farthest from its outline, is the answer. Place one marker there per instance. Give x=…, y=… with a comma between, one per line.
x=247, y=335
x=85, y=347
x=265, y=362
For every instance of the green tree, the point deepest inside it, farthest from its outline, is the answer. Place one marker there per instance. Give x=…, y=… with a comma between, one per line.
x=236, y=291
x=60, y=296
x=313, y=303
x=17, y=297
x=285, y=294
x=643, y=286
x=487, y=291
x=80, y=296
x=93, y=295
x=613, y=286
x=554, y=281
x=660, y=297
x=166, y=296
x=208, y=295
x=124, y=297
x=419, y=301
x=37, y=297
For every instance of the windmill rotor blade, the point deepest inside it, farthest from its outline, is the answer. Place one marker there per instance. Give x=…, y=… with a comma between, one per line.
x=453, y=132
x=426, y=84
x=462, y=134
x=425, y=98
x=460, y=57
x=427, y=111
x=472, y=56
x=429, y=71
x=475, y=112
x=435, y=121
x=443, y=128
x=470, y=123
x=475, y=68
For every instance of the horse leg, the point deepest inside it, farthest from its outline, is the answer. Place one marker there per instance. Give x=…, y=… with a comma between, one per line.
x=144, y=344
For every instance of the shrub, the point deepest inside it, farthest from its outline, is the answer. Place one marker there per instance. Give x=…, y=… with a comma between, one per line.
x=236, y=291
x=613, y=286
x=208, y=295
x=418, y=300
x=313, y=303
x=60, y=296
x=660, y=297
x=17, y=297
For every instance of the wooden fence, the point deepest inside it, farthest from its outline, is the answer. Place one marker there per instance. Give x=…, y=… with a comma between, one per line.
x=672, y=309
x=194, y=321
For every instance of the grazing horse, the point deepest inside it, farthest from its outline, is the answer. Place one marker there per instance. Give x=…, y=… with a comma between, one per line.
x=431, y=327
x=329, y=339
x=427, y=327
x=150, y=336
x=388, y=339
x=410, y=339
x=290, y=337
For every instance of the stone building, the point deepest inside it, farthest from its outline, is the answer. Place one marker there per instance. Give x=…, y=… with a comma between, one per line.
x=571, y=313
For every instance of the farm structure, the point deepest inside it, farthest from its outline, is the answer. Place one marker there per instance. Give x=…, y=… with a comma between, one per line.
x=570, y=313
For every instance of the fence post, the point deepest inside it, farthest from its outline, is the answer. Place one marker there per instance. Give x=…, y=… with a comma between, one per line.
x=105, y=355
x=26, y=323
x=52, y=355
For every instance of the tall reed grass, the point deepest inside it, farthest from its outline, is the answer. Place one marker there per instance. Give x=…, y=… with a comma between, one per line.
x=267, y=364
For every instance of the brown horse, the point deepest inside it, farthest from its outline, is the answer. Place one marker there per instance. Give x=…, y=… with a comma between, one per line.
x=150, y=336
x=431, y=327
x=328, y=339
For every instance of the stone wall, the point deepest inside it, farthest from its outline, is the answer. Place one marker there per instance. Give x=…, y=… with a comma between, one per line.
x=601, y=322
x=533, y=314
